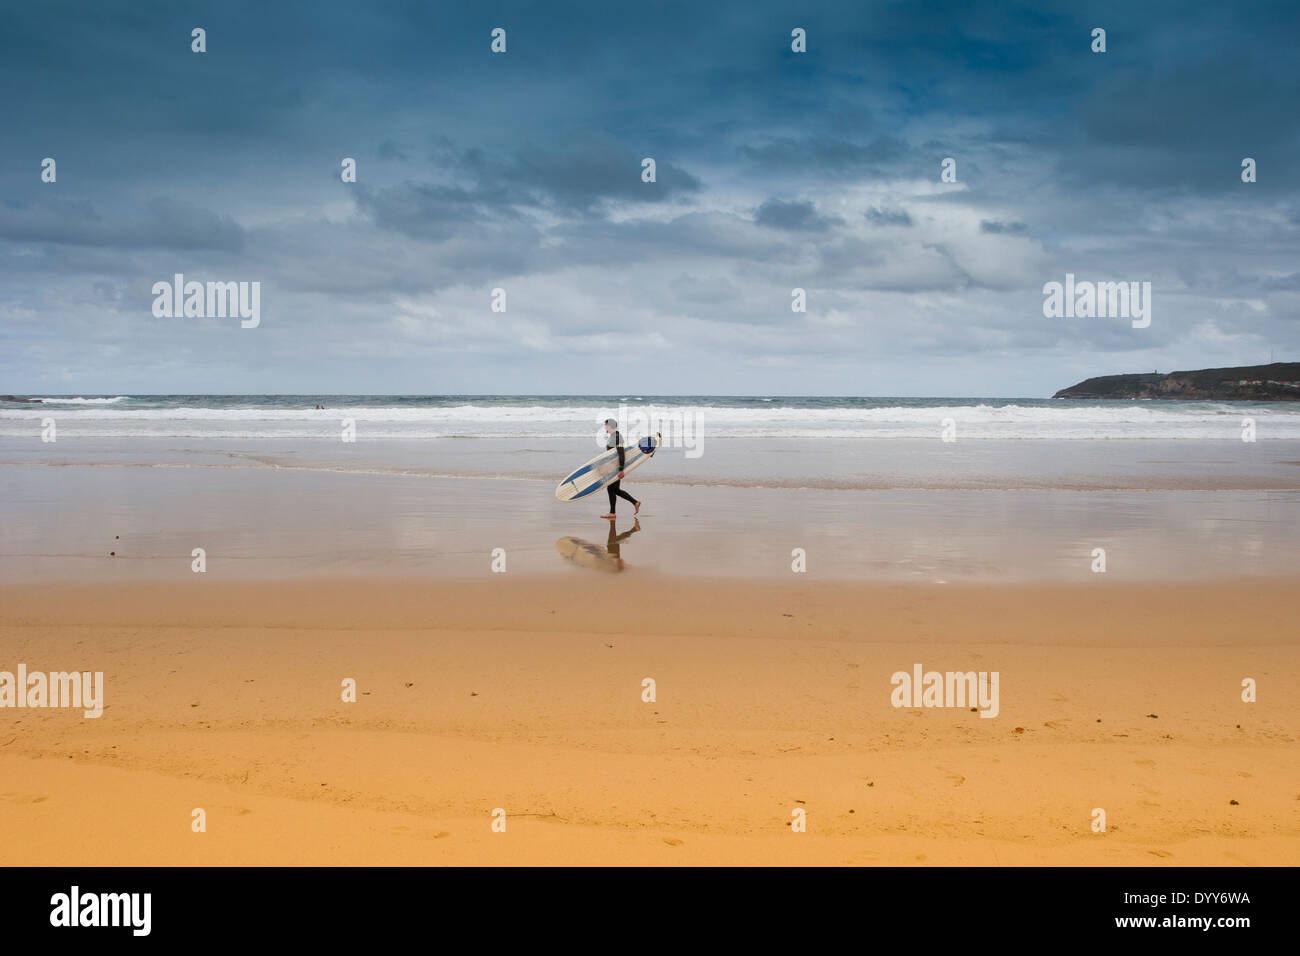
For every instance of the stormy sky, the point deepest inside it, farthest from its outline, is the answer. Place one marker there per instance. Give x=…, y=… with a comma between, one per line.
x=523, y=171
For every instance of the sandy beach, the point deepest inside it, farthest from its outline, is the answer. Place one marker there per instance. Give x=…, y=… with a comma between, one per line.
x=507, y=691
x=228, y=571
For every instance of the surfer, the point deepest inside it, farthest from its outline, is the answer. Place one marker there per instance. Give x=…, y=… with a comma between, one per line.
x=615, y=440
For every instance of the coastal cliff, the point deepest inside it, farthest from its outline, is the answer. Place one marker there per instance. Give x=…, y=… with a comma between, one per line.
x=1279, y=382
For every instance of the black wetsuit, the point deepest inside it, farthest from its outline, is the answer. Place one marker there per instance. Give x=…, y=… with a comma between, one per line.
x=615, y=492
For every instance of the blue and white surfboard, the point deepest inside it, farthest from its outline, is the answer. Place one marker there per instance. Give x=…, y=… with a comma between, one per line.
x=603, y=469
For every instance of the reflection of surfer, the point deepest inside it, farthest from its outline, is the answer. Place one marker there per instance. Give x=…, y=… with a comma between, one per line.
x=615, y=440
x=612, y=544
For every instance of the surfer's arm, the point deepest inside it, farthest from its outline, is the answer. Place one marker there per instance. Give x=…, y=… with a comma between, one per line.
x=622, y=455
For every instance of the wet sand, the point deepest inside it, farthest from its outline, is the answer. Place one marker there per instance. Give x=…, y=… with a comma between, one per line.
x=256, y=522
x=524, y=693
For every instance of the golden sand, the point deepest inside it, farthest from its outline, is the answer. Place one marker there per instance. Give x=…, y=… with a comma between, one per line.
x=525, y=694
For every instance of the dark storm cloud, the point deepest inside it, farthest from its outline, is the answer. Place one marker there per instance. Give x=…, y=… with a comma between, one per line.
x=888, y=217
x=997, y=228
x=428, y=211
x=162, y=223
x=577, y=181
x=794, y=216
x=832, y=157
x=1287, y=283
x=573, y=179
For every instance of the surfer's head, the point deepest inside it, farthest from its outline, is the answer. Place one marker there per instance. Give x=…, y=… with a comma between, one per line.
x=611, y=425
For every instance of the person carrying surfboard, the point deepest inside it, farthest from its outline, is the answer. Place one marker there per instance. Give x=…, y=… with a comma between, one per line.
x=615, y=440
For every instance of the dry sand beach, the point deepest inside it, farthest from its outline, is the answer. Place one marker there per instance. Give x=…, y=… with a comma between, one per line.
x=506, y=691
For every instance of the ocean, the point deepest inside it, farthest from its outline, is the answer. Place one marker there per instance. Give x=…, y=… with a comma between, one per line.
x=577, y=416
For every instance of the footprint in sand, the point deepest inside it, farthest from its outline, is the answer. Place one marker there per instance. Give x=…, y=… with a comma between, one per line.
x=672, y=842
x=1160, y=853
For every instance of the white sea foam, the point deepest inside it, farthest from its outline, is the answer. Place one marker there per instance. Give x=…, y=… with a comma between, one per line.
x=109, y=418
x=84, y=401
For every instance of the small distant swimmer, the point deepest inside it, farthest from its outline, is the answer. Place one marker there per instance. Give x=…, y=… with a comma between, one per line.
x=615, y=440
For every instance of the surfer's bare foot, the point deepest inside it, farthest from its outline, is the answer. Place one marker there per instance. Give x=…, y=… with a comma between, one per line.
x=637, y=509
x=611, y=515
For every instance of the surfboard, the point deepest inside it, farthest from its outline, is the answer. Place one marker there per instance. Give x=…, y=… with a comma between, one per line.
x=586, y=555
x=603, y=469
